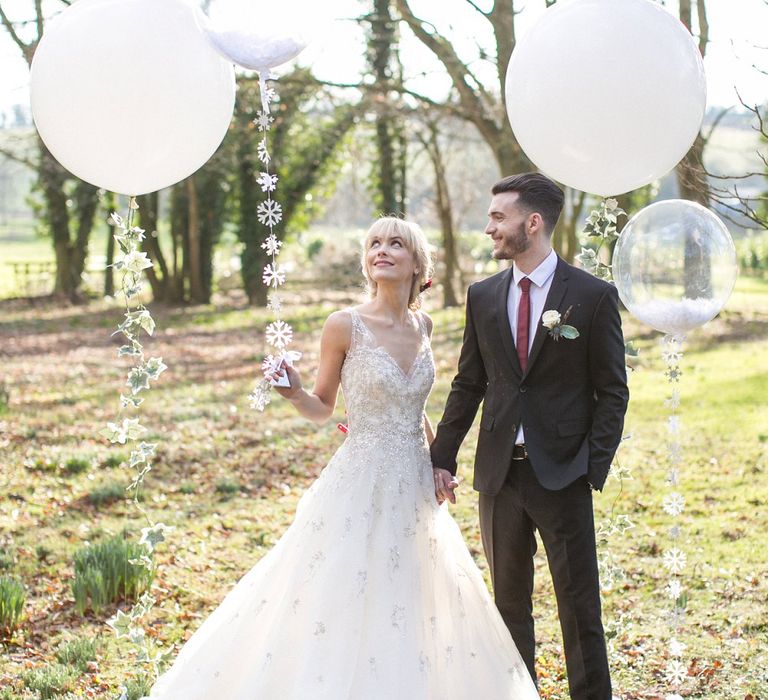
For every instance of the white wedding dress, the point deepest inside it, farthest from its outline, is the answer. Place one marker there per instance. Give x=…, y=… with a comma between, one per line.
x=371, y=593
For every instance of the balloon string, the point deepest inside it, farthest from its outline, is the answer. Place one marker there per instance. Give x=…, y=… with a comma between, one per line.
x=263, y=75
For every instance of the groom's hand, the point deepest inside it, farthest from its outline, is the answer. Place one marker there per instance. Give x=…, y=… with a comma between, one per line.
x=445, y=483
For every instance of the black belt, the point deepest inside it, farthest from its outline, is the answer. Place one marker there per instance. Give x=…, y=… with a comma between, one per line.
x=519, y=452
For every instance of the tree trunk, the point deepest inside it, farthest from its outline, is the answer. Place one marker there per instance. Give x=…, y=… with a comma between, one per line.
x=149, y=213
x=389, y=172
x=196, y=290
x=87, y=201
x=692, y=178
x=52, y=176
x=445, y=213
x=109, y=273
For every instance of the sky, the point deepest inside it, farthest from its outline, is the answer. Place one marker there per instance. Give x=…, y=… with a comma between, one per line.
x=738, y=42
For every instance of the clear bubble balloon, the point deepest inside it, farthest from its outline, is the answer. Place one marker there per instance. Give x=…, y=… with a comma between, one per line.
x=674, y=265
x=260, y=34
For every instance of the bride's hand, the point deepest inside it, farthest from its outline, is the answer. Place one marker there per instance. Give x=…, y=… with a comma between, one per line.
x=445, y=483
x=288, y=392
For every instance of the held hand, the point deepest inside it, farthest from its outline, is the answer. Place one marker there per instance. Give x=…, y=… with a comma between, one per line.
x=445, y=483
x=293, y=377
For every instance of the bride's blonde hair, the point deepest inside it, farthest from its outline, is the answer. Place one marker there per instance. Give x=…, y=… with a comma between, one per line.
x=415, y=241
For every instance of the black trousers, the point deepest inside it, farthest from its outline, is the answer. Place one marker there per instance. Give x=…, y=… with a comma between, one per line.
x=565, y=522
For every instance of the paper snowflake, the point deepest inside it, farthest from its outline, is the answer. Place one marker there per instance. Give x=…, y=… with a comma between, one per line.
x=673, y=374
x=279, y=334
x=676, y=648
x=672, y=357
x=674, y=589
x=275, y=303
x=673, y=424
x=267, y=182
x=674, y=560
x=262, y=151
x=271, y=244
x=676, y=617
x=674, y=504
x=260, y=397
x=270, y=213
x=675, y=672
x=673, y=476
x=674, y=532
x=674, y=400
x=268, y=364
x=675, y=452
x=263, y=121
x=273, y=275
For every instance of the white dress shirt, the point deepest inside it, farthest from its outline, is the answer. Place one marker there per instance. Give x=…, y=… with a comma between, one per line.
x=541, y=279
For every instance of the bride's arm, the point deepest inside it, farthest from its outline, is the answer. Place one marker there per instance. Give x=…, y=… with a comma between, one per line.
x=428, y=429
x=319, y=404
x=427, y=425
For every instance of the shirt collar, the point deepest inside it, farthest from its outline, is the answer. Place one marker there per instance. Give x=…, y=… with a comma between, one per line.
x=541, y=274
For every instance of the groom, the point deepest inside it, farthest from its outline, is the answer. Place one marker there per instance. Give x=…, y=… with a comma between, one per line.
x=553, y=412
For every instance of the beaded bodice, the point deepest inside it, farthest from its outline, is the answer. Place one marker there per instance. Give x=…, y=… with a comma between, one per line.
x=384, y=401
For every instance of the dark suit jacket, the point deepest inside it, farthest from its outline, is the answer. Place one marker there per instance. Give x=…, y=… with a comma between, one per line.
x=571, y=400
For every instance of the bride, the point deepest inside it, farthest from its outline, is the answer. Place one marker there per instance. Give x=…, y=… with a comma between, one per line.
x=371, y=593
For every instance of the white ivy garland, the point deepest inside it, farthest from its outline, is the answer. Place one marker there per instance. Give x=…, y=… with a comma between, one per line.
x=132, y=262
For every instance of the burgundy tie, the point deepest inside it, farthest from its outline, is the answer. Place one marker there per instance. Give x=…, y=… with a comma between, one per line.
x=523, y=321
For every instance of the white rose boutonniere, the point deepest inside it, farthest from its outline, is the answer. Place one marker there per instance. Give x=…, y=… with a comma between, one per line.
x=555, y=324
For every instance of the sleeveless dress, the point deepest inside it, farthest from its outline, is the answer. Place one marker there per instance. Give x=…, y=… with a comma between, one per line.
x=371, y=593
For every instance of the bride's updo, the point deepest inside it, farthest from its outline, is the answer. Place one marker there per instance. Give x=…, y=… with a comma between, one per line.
x=415, y=241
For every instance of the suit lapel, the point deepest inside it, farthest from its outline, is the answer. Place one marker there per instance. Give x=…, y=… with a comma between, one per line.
x=502, y=317
x=554, y=297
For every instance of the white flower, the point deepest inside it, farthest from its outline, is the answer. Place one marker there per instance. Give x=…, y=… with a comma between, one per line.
x=115, y=219
x=674, y=504
x=550, y=318
x=135, y=261
x=675, y=672
x=674, y=560
x=263, y=152
x=270, y=213
x=273, y=275
x=279, y=334
x=676, y=648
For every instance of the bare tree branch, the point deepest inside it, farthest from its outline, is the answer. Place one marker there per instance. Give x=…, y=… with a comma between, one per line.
x=16, y=158
x=10, y=28
x=481, y=11
x=39, y=15
x=715, y=122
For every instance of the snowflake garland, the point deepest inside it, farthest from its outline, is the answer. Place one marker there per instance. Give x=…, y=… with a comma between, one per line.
x=674, y=559
x=278, y=334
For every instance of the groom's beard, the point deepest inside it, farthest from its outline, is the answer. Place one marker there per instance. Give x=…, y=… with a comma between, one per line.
x=513, y=245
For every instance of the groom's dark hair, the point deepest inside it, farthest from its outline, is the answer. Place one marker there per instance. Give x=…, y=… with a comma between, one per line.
x=536, y=193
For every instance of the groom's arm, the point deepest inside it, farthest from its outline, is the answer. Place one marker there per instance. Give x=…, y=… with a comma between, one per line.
x=607, y=368
x=467, y=391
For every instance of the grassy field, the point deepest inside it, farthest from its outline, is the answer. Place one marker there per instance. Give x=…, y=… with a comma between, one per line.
x=229, y=480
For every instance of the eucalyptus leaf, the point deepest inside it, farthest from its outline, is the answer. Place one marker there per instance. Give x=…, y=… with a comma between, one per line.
x=568, y=332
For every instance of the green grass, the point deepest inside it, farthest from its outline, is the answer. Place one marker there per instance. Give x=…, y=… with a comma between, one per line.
x=229, y=478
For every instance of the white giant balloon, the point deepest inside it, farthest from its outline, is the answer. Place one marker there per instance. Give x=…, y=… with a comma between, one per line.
x=606, y=95
x=129, y=95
